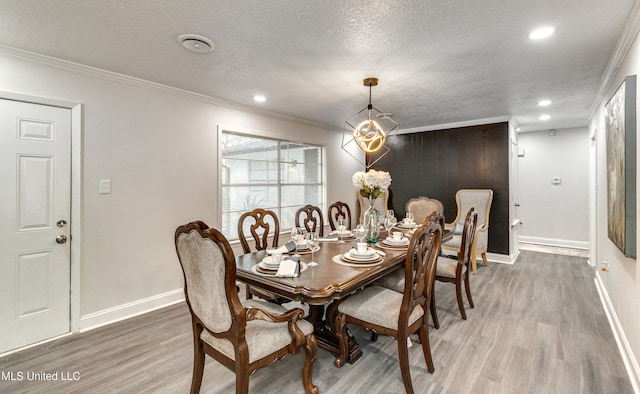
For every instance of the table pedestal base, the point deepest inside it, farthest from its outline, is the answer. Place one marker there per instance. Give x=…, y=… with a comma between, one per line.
x=326, y=336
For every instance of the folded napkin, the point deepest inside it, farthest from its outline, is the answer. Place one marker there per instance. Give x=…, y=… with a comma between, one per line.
x=330, y=238
x=289, y=268
x=288, y=247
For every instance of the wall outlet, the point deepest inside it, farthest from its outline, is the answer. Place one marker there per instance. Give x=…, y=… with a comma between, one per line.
x=105, y=186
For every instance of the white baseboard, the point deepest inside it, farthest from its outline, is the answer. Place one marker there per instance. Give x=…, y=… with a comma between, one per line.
x=630, y=362
x=491, y=257
x=126, y=311
x=565, y=243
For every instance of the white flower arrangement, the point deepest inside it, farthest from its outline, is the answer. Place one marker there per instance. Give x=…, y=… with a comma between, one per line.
x=372, y=184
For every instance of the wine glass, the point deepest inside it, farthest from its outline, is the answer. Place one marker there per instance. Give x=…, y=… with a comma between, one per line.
x=390, y=213
x=313, y=242
x=361, y=232
x=410, y=217
x=389, y=222
x=342, y=225
x=297, y=235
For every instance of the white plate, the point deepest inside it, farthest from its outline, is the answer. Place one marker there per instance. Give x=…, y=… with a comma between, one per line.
x=405, y=225
x=391, y=241
x=268, y=263
x=370, y=255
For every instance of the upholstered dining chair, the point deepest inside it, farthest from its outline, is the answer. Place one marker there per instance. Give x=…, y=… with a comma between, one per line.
x=261, y=223
x=399, y=315
x=242, y=336
x=422, y=207
x=381, y=204
x=311, y=218
x=480, y=200
x=395, y=279
x=338, y=210
x=457, y=270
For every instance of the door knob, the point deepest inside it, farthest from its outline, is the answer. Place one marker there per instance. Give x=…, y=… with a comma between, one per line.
x=61, y=239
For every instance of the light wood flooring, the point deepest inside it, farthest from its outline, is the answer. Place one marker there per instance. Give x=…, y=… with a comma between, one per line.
x=538, y=327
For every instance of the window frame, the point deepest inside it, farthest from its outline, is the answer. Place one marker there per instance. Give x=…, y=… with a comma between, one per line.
x=279, y=138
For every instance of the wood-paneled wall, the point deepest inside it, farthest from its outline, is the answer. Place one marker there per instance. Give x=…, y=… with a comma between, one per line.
x=439, y=163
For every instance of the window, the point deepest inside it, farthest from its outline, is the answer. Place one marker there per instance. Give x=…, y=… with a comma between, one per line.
x=279, y=175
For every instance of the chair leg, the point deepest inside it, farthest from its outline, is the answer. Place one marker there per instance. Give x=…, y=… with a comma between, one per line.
x=198, y=366
x=242, y=375
x=468, y=290
x=426, y=348
x=343, y=341
x=484, y=258
x=474, y=265
x=459, y=297
x=248, y=294
x=310, y=354
x=403, y=358
x=432, y=306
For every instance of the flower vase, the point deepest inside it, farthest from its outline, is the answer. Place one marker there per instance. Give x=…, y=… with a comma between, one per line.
x=371, y=221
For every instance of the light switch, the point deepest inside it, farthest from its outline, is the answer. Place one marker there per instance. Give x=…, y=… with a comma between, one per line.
x=556, y=180
x=105, y=186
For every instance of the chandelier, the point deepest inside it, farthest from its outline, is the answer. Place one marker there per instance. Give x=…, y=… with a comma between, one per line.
x=369, y=133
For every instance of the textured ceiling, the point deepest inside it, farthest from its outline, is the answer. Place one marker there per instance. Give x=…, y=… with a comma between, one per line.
x=438, y=61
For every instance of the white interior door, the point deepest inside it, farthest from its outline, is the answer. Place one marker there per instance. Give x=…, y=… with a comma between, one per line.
x=35, y=209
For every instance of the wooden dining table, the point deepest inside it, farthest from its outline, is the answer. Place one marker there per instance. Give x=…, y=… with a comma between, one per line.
x=322, y=286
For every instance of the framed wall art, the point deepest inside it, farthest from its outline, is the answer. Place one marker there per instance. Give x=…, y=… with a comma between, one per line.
x=620, y=118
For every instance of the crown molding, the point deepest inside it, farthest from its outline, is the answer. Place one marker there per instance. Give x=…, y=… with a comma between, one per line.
x=628, y=36
x=66, y=65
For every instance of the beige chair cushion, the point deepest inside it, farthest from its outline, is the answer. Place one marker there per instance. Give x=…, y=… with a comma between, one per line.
x=378, y=305
x=447, y=267
x=393, y=281
x=263, y=337
x=204, y=268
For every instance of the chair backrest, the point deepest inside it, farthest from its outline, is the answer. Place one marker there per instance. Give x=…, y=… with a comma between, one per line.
x=311, y=218
x=420, y=268
x=381, y=204
x=468, y=235
x=209, y=269
x=480, y=200
x=260, y=222
x=338, y=210
x=422, y=207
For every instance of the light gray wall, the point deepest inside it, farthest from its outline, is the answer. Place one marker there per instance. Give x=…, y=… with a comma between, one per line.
x=621, y=281
x=159, y=148
x=554, y=214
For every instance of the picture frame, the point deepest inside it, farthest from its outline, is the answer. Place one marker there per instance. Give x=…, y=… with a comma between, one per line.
x=620, y=121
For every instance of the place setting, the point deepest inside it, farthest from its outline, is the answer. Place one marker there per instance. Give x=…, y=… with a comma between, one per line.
x=408, y=222
x=396, y=241
x=276, y=265
x=360, y=256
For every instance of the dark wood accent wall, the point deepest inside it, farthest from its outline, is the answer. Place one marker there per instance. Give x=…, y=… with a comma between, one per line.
x=437, y=164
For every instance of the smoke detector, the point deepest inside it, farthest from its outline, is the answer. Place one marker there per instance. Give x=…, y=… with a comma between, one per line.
x=196, y=43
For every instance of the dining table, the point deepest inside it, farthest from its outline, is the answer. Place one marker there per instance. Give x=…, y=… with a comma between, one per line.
x=323, y=286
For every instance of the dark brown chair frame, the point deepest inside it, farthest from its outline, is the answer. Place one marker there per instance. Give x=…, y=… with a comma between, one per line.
x=240, y=316
x=464, y=260
x=313, y=219
x=338, y=210
x=421, y=254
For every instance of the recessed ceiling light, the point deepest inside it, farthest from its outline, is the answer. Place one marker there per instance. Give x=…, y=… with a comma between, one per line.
x=544, y=103
x=196, y=43
x=545, y=117
x=260, y=99
x=542, y=33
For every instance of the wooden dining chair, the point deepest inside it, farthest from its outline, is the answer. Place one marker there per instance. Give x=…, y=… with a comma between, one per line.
x=422, y=207
x=338, y=210
x=399, y=315
x=395, y=279
x=261, y=224
x=457, y=270
x=242, y=336
x=311, y=218
x=480, y=200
